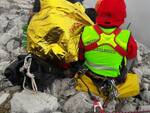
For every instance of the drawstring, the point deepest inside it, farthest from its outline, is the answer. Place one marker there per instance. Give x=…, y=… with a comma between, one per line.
x=26, y=68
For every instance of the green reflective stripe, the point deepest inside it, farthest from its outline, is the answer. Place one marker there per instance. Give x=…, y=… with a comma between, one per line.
x=98, y=66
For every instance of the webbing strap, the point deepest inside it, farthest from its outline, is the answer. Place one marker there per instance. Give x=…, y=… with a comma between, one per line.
x=94, y=45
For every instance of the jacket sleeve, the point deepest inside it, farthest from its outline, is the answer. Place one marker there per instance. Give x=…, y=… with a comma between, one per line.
x=132, y=48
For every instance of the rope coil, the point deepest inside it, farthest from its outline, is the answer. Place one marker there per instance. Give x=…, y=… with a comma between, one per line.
x=26, y=69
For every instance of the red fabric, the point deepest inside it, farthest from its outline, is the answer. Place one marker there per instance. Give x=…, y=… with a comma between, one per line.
x=132, y=48
x=91, y=46
x=81, y=51
x=120, y=50
x=97, y=29
x=63, y=65
x=110, y=13
x=66, y=65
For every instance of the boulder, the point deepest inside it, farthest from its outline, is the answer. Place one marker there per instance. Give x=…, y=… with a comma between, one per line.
x=4, y=55
x=128, y=107
x=31, y=102
x=144, y=108
x=79, y=103
x=145, y=95
x=3, y=66
x=3, y=97
x=3, y=23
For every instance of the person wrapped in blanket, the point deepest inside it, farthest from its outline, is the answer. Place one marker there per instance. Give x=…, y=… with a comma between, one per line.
x=105, y=49
x=89, y=11
x=69, y=69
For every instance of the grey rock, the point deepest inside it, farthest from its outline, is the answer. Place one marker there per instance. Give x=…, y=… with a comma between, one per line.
x=89, y=4
x=145, y=86
x=1, y=77
x=62, y=88
x=3, y=66
x=16, y=52
x=80, y=103
x=55, y=88
x=27, y=4
x=145, y=80
x=143, y=103
x=12, y=33
x=139, y=58
x=142, y=70
x=3, y=23
x=4, y=56
x=5, y=4
x=29, y=102
x=4, y=83
x=57, y=112
x=11, y=45
x=145, y=70
x=144, y=108
x=143, y=49
x=3, y=97
x=145, y=95
x=67, y=89
x=111, y=106
x=13, y=89
x=137, y=71
x=128, y=108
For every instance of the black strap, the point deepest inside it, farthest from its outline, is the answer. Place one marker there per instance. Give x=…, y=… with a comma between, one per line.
x=123, y=72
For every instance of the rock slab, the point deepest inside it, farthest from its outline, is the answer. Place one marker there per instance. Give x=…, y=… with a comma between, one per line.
x=29, y=102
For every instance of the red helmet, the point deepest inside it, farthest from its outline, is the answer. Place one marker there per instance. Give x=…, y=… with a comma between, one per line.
x=110, y=13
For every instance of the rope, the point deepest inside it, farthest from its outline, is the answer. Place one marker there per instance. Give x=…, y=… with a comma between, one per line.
x=26, y=66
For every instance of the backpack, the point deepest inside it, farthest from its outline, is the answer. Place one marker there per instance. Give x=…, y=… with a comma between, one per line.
x=44, y=72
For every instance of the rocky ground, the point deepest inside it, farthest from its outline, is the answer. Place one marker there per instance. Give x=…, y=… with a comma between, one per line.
x=13, y=15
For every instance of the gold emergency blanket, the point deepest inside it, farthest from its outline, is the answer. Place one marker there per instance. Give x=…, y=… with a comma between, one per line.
x=127, y=89
x=56, y=29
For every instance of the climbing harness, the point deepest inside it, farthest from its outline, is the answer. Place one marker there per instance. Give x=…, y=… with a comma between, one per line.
x=26, y=70
x=106, y=88
x=96, y=103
